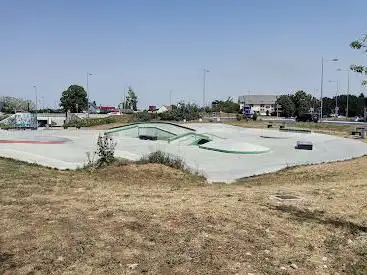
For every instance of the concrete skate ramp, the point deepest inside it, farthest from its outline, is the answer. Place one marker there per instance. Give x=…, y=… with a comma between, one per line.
x=190, y=138
x=276, y=135
x=168, y=126
x=215, y=165
x=154, y=130
x=233, y=147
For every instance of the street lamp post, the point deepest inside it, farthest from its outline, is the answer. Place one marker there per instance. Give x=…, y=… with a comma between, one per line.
x=88, y=74
x=336, y=96
x=348, y=90
x=35, y=92
x=322, y=80
x=204, y=86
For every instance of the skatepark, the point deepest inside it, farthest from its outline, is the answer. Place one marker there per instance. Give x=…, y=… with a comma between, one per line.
x=220, y=152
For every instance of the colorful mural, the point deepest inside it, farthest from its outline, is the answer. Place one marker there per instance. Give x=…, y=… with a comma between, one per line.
x=23, y=120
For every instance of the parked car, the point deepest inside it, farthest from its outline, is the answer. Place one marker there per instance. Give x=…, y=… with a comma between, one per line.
x=359, y=119
x=307, y=118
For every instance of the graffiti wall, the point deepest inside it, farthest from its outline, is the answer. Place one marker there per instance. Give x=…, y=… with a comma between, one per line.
x=23, y=120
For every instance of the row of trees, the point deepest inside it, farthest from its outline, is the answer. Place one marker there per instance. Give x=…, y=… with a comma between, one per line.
x=301, y=103
x=10, y=104
x=227, y=106
x=297, y=104
x=75, y=99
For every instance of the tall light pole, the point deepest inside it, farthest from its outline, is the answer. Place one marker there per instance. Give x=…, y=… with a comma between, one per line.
x=322, y=80
x=204, y=86
x=348, y=90
x=336, y=96
x=35, y=92
x=88, y=74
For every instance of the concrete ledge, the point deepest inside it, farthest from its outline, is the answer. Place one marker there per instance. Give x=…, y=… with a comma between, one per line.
x=234, y=147
x=295, y=130
x=304, y=145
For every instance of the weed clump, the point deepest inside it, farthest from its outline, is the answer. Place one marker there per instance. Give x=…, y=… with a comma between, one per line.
x=165, y=159
x=105, y=152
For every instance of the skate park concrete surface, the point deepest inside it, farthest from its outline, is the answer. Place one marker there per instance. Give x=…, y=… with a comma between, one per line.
x=220, y=152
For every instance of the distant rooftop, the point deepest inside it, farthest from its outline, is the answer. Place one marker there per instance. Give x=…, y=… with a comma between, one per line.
x=257, y=99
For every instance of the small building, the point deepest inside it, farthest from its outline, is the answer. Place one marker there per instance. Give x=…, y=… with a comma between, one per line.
x=92, y=107
x=152, y=109
x=107, y=109
x=164, y=108
x=261, y=104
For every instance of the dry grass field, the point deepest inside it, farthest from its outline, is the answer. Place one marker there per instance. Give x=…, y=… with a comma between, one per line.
x=323, y=128
x=133, y=219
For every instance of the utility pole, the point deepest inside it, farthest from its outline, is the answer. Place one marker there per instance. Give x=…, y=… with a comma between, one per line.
x=322, y=86
x=124, y=103
x=204, y=86
x=348, y=90
x=322, y=81
x=88, y=74
x=170, y=97
x=35, y=91
x=336, y=98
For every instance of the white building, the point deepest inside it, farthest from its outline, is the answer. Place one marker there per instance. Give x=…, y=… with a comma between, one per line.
x=262, y=104
x=164, y=108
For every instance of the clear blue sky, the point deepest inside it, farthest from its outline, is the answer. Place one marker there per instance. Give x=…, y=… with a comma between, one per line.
x=262, y=46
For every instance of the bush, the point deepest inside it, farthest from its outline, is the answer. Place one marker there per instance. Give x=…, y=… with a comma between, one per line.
x=165, y=159
x=105, y=152
x=254, y=116
x=105, y=149
x=89, y=122
x=143, y=116
x=187, y=111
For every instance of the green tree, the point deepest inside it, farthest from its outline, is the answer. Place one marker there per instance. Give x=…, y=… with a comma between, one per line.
x=361, y=105
x=227, y=106
x=302, y=102
x=74, y=99
x=12, y=104
x=360, y=44
x=181, y=111
x=287, y=105
x=131, y=100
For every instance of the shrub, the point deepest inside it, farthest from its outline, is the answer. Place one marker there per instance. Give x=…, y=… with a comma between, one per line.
x=105, y=152
x=105, y=149
x=254, y=116
x=183, y=111
x=89, y=122
x=165, y=159
x=143, y=116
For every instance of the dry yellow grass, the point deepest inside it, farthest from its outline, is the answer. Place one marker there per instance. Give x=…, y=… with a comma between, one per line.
x=132, y=219
x=324, y=128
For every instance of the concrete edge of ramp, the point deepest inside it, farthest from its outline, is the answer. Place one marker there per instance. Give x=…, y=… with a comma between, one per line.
x=41, y=160
x=136, y=124
x=234, y=148
x=275, y=169
x=194, y=134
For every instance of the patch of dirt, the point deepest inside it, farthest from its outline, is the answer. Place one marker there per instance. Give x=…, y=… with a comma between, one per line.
x=132, y=219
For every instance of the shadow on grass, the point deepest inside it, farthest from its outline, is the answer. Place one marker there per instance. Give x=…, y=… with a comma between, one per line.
x=319, y=217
